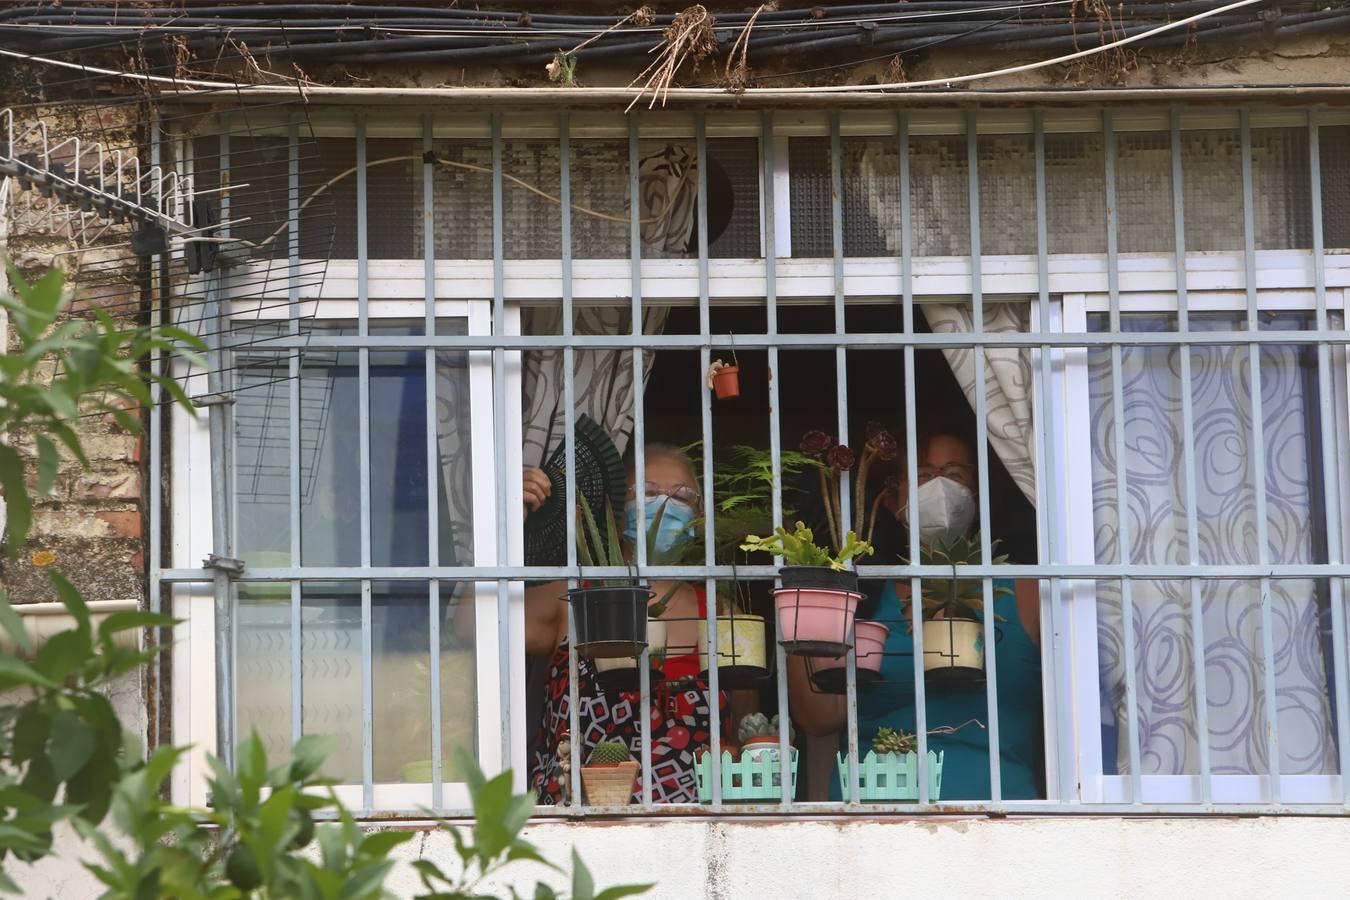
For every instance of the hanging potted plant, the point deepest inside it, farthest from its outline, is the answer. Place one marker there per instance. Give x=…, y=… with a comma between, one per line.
x=953, y=609
x=610, y=618
x=741, y=657
x=607, y=778
x=620, y=672
x=829, y=676
x=724, y=379
x=819, y=596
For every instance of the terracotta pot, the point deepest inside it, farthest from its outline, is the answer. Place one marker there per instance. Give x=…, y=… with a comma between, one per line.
x=609, y=785
x=727, y=383
x=815, y=622
x=953, y=644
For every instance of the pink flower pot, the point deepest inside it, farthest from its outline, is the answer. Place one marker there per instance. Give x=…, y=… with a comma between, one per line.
x=870, y=641
x=815, y=622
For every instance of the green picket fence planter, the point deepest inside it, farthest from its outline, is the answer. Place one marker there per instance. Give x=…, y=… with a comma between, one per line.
x=891, y=777
x=746, y=779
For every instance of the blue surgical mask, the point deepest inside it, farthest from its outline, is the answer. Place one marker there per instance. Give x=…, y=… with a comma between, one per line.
x=677, y=522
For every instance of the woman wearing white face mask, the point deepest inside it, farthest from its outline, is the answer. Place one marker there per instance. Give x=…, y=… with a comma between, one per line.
x=948, y=508
x=680, y=706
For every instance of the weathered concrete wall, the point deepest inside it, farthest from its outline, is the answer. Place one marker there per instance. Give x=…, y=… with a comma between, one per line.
x=813, y=860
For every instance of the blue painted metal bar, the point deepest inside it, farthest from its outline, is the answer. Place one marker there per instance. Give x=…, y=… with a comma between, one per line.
x=841, y=403
x=1329, y=460
x=569, y=447
x=775, y=418
x=433, y=463
x=638, y=361
x=1259, y=457
x=1063, y=763
x=296, y=439
x=709, y=518
x=982, y=455
x=766, y=572
x=1123, y=536
x=879, y=340
x=1197, y=616
x=912, y=455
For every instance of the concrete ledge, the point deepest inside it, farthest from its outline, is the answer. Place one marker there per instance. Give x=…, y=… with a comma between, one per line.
x=42, y=620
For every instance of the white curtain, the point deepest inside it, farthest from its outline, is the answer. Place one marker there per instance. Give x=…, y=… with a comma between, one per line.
x=1227, y=533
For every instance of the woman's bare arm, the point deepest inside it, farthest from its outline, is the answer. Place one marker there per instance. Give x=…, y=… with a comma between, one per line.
x=817, y=713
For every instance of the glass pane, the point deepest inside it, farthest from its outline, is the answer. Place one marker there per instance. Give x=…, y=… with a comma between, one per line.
x=330, y=464
x=263, y=665
x=600, y=199
x=1075, y=172
x=262, y=452
x=398, y=454
x=1283, y=189
x=1334, y=143
x=330, y=630
x=940, y=196
x=263, y=164
x=1223, y=449
x=462, y=206
x=809, y=196
x=328, y=223
x=1007, y=193
x=454, y=468
x=871, y=196
x=1212, y=166
x=1144, y=192
x=394, y=198
x=532, y=224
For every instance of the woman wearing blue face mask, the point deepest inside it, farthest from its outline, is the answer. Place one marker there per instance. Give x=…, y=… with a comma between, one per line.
x=948, y=508
x=681, y=708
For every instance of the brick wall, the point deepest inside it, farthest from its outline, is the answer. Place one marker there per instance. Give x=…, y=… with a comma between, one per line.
x=93, y=525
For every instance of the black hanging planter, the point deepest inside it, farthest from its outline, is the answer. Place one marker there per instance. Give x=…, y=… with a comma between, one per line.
x=821, y=578
x=611, y=621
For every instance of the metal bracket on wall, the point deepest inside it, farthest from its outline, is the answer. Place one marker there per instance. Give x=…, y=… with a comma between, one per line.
x=224, y=564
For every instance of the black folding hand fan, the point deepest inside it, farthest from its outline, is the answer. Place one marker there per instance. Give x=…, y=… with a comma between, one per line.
x=600, y=478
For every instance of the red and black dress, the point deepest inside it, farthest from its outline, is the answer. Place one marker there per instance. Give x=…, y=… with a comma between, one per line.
x=679, y=724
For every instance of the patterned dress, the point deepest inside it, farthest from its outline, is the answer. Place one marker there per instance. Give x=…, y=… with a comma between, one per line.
x=679, y=720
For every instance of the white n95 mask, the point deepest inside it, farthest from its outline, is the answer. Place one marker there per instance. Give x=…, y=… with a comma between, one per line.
x=946, y=510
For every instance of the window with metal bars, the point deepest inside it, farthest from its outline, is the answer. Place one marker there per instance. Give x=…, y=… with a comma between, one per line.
x=1131, y=321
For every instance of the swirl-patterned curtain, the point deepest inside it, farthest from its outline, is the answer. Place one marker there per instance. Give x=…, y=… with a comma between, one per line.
x=668, y=197
x=1227, y=533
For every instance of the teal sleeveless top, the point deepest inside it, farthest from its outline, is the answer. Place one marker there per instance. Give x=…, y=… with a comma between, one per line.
x=965, y=765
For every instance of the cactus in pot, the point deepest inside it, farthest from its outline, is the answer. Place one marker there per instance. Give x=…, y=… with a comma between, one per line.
x=758, y=732
x=608, y=775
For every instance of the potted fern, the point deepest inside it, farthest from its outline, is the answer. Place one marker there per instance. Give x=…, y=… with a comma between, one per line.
x=611, y=617
x=607, y=778
x=953, y=629
x=890, y=770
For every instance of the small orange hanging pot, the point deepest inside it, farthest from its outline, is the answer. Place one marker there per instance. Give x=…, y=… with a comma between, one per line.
x=724, y=379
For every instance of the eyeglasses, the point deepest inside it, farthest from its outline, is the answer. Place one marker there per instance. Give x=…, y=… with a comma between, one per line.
x=681, y=493
x=961, y=472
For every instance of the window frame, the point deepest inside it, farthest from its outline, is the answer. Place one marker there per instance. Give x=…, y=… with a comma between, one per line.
x=1070, y=285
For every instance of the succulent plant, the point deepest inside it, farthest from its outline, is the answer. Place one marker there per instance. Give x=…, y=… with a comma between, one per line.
x=609, y=753
x=889, y=740
x=759, y=725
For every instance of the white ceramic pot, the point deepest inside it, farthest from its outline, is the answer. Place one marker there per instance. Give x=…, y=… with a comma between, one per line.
x=740, y=642
x=953, y=644
x=656, y=641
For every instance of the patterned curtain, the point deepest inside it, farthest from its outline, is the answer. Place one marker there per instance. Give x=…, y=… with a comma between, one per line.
x=1007, y=370
x=1227, y=533
x=1007, y=382
x=668, y=201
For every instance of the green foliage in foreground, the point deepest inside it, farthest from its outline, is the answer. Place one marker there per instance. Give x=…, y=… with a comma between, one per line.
x=272, y=831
